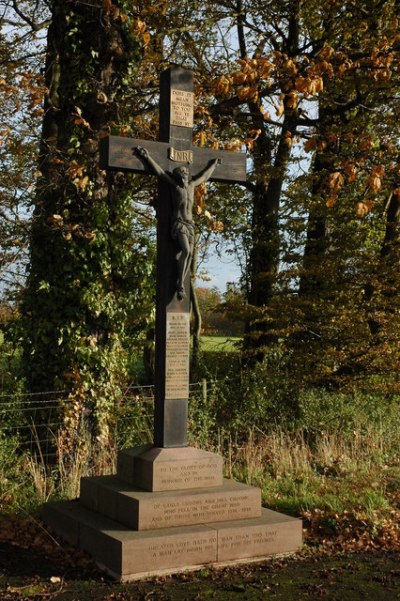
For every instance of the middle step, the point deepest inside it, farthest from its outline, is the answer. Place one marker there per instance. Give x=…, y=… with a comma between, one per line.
x=142, y=510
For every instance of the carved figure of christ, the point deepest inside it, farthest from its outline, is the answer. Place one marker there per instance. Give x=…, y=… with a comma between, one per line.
x=182, y=193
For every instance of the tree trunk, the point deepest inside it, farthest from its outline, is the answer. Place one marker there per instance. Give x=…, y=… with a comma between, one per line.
x=265, y=249
x=78, y=292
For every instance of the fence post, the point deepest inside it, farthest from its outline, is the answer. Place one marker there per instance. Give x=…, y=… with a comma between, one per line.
x=204, y=390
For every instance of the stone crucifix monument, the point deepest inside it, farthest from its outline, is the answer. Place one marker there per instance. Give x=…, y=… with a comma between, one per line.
x=168, y=508
x=180, y=167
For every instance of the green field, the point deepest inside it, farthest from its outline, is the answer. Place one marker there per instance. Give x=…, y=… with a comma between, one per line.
x=220, y=344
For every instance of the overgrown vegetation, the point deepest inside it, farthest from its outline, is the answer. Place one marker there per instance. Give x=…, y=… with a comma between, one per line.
x=330, y=457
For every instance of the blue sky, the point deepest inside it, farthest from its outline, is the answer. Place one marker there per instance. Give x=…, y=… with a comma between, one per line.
x=220, y=269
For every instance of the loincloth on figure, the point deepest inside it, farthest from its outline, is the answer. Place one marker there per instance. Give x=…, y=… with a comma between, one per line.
x=185, y=227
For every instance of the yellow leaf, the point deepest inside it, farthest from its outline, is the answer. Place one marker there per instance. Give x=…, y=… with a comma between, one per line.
x=351, y=171
x=248, y=93
x=202, y=138
x=233, y=145
x=331, y=201
x=366, y=143
x=302, y=84
x=290, y=66
x=222, y=85
x=316, y=85
x=217, y=226
x=292, y=100
x=81, y=121
x=374, y=183
x=139, y=27
x=239, y=77
x=362, y=209
x=335, y=180
x=288, y=140
x=82, y=182
x=379, y=171
x=327, y=52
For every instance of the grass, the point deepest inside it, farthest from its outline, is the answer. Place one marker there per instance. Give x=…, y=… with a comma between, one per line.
x=220, y=344
x=335, y=471
x=333, y=474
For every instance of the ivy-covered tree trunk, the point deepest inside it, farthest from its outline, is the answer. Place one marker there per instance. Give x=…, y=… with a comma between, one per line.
x=83, y=279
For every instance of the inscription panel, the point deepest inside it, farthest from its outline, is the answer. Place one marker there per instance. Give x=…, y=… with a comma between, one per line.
x=180, y=156
x=200, y=509
x=265, y=536
x=246, y=542
x=182, y=108
x=190, y=475
x=161, y=552
x=177, y=356
x=142, y=511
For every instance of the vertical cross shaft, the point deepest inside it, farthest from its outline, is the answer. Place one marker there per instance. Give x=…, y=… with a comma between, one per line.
x=172, y=315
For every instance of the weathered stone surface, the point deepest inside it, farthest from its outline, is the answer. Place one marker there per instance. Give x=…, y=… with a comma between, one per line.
x=143, y=510
x=158, y=469
x=270, y=534
x=129, y=555
x=63, y=518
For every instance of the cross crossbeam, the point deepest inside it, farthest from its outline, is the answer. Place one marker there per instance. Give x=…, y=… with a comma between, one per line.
x=120, y=154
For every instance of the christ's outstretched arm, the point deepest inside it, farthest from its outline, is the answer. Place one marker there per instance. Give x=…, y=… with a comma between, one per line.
x=157, y=170
x=205, y=175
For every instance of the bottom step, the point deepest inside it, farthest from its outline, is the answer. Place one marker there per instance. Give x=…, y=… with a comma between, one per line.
x=129, y=555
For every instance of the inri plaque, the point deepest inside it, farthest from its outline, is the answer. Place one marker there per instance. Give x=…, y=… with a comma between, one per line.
x=177, y=356
x=182, y=108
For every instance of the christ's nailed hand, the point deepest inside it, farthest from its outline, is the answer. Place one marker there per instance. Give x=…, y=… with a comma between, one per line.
x=142, y=152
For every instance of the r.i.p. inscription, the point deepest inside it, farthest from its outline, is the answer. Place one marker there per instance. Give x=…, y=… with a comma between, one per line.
x=177, y=356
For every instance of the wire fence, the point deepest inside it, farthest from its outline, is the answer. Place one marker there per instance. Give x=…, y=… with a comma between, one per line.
x=35, y=418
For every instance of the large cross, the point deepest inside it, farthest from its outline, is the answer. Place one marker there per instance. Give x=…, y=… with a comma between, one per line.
x=174, y=237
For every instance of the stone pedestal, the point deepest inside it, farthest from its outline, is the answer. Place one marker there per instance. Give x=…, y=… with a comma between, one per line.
x=168, y=510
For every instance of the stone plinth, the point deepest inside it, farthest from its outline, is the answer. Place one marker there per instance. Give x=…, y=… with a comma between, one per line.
x=129, y=555
x=143, y=510
x=156, y=469
x=134, y=532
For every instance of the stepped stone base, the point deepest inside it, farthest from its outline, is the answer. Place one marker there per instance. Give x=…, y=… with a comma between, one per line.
x=156, y=469
x=142, y=510
x=128, y=555
x=169, y=510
